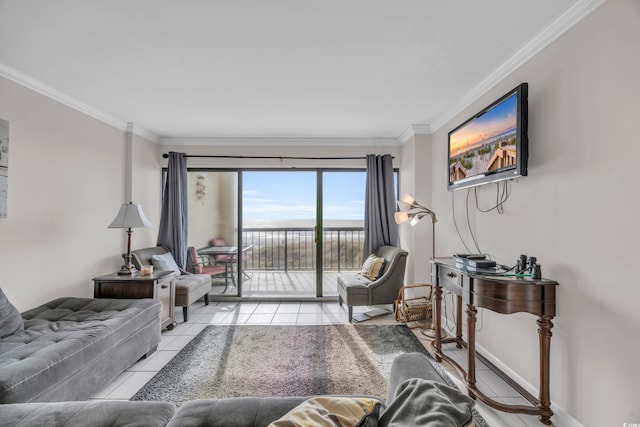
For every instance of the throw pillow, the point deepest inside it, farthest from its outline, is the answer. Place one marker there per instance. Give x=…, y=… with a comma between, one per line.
x=372, y=267
x=10, y=318
x=332, y=411
x=165, y=262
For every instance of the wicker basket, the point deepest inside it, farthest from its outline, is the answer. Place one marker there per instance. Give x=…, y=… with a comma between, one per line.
x=413, y=303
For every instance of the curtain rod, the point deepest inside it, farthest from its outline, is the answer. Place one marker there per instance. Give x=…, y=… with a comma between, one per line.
x=165, y=156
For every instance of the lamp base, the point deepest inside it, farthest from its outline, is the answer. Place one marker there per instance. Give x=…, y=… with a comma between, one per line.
x=430, y=332
x=127, y=270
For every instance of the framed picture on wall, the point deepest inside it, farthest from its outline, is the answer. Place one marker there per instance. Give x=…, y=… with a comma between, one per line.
x=4, y=166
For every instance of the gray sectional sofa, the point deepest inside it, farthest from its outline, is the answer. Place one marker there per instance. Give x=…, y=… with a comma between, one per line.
x=70, y=348
x=415, y=397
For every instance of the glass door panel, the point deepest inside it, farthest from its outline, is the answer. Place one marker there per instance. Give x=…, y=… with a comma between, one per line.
x=213, y=226
x=279, y=219
x=343, y=225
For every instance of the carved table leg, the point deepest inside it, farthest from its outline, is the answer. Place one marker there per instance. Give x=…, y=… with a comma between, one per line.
x=436, y=322
x=459, y=321
x=471, y=348
x=544, y=333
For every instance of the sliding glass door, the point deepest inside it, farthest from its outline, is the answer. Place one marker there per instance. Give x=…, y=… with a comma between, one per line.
x=278, y=233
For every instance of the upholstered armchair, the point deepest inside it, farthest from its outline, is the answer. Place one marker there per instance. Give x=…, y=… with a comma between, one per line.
x=354, y=289
x=189, y=287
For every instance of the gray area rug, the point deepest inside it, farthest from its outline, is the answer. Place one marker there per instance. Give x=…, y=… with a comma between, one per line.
x=263, y=361
x=233, y=361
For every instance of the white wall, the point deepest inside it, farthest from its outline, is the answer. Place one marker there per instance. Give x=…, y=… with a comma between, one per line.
x=146, y=189
x=415, y=177
x=576, y=211
x=66, y=183
x=215, y=215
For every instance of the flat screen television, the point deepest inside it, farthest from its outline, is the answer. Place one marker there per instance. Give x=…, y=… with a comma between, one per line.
x=492, y=145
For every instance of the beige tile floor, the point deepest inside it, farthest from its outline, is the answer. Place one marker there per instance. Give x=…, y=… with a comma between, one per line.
x=294, y=313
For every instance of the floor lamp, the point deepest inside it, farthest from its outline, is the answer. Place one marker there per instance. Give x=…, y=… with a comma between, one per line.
x=412, y=211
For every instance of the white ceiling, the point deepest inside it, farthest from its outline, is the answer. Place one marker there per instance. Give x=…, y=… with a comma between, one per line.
x=347, y=69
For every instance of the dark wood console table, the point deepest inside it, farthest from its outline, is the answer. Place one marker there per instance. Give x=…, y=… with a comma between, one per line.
x=500, y=294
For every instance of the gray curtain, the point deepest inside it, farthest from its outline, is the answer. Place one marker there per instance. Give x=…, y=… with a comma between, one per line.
x=173, y=219
x=380, y=227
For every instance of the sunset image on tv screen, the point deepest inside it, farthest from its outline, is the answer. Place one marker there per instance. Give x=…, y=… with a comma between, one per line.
x=486, y=143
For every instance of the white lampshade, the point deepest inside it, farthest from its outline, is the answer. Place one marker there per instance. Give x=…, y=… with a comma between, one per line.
x=401, y=217
x=130, y=216
x=407, y=199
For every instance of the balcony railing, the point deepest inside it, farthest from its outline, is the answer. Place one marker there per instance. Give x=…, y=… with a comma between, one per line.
x=295, y=249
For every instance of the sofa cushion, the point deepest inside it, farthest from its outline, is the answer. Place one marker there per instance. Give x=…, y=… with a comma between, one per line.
x=165, y=262
x=63, y=336
x=192, y=283
x=239, y=411
x=372, y=267
x=91, y=413
x=10, y=318
x=354, y=283
x=332, y=411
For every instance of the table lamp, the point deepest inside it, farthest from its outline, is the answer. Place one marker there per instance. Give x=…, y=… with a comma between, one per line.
x=129, y=216
x=412, y=211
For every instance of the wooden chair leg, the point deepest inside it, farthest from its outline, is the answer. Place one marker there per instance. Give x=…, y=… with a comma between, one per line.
x=185, y=313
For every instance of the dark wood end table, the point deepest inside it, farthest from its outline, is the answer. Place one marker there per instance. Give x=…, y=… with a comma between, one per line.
x=160, y=285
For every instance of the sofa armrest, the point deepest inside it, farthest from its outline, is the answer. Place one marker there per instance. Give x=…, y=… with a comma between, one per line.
x=407, y=366
x=92, y=412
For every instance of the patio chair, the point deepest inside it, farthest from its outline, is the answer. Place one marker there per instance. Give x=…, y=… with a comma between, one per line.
x=201, y=265
x=227, y=260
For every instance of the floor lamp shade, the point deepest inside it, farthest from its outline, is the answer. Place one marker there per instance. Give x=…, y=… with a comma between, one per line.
x=129, y=216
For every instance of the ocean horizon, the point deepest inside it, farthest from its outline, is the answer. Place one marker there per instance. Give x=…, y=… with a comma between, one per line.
x=301, y=223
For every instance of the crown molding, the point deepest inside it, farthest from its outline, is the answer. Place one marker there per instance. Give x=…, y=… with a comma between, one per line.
x=42, y=88
x=333, y=142
x=144, y=133
x=38, y=86
x=544, y=38
x=413, y=130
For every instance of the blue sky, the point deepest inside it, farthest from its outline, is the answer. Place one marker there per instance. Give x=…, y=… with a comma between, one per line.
x=292, y=195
